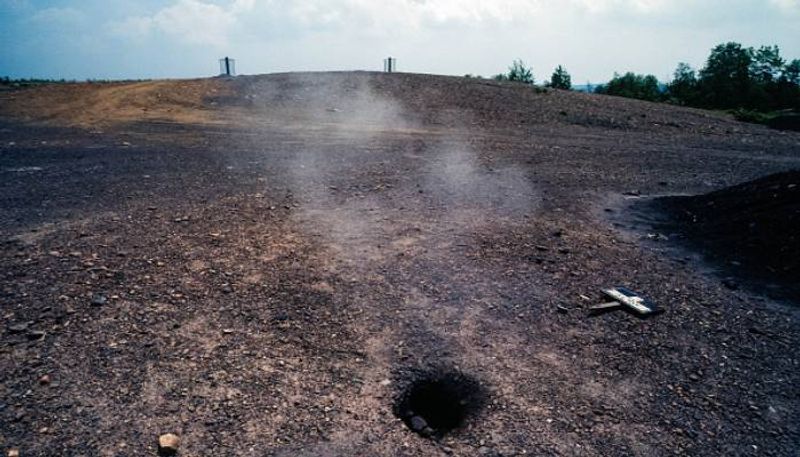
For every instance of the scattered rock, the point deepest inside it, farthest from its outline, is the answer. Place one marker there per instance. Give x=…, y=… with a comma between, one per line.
x=18, y=328
x=44, y=380
x=730, y=283
x=168, y=444
x=99, y=300
x=14, y=452
x=36, y=335
x=418, y=424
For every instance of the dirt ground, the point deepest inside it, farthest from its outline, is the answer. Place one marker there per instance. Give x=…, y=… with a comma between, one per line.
x=262, y=266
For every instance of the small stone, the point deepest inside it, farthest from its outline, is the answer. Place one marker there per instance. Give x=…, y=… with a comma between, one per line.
x=730, y=283
x=36, y=335
x=386, y=382
x=418, y=424
x=99, y=300
x=18, y=328
x=44, y=380
x=562, y=309
x=168, y=444
x=14, y=452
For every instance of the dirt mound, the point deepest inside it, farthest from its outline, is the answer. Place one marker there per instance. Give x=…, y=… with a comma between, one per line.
x=752, y=227
x=103, y=104
x=327, y=98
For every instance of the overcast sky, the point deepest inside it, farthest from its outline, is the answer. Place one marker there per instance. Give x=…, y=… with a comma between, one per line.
x=184, y=38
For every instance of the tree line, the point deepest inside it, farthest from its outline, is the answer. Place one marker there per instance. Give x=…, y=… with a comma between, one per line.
x=734, y=77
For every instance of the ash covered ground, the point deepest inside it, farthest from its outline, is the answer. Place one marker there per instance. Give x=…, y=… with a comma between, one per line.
x=265, y=265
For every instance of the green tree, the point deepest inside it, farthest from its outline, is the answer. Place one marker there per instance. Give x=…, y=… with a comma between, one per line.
x=520, y=73
x=631, y=85
x=767, y=65
x=791, y=72
x=725, y=81
x=683, y=88
x=560, y=79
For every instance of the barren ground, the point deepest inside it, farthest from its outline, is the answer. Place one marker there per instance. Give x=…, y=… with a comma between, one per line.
x=263, y=265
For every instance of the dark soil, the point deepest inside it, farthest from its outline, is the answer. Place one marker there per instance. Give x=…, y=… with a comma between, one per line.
x=751, y=230
x=264, y=265
x=785, y=122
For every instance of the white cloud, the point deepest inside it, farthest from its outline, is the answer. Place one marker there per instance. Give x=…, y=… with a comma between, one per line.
x=213, y=22
x=192, y=22
x=593, y=38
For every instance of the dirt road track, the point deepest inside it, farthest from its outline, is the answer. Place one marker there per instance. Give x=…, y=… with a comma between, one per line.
x=281, y=264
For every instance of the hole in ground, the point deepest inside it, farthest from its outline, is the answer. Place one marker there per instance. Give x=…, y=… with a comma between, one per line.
x=434, y=404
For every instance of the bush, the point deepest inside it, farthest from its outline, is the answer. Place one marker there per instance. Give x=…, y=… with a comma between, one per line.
x=518, y=72
x=560, y=79
x=630, y=85
x=754, y=117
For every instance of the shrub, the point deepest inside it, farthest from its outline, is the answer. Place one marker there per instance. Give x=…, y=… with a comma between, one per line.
x=518, y=72
x=561, y=79
x=630, y=85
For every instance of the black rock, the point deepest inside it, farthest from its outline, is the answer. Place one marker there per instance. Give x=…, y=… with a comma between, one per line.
x=730, y=284
x=418, y=424
x=99, y=300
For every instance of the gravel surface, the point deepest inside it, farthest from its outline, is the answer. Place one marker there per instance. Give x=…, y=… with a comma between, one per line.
x=270, y=282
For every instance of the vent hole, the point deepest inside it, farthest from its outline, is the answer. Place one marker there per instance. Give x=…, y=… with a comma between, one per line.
x=435, y=405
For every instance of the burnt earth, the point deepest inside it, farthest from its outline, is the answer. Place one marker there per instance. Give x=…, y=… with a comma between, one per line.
x=750, y=230
x=262, y=265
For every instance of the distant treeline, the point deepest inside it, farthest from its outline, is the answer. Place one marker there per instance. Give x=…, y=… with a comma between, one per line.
x=734, y=77
x=757, y=85
x=25, y=82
